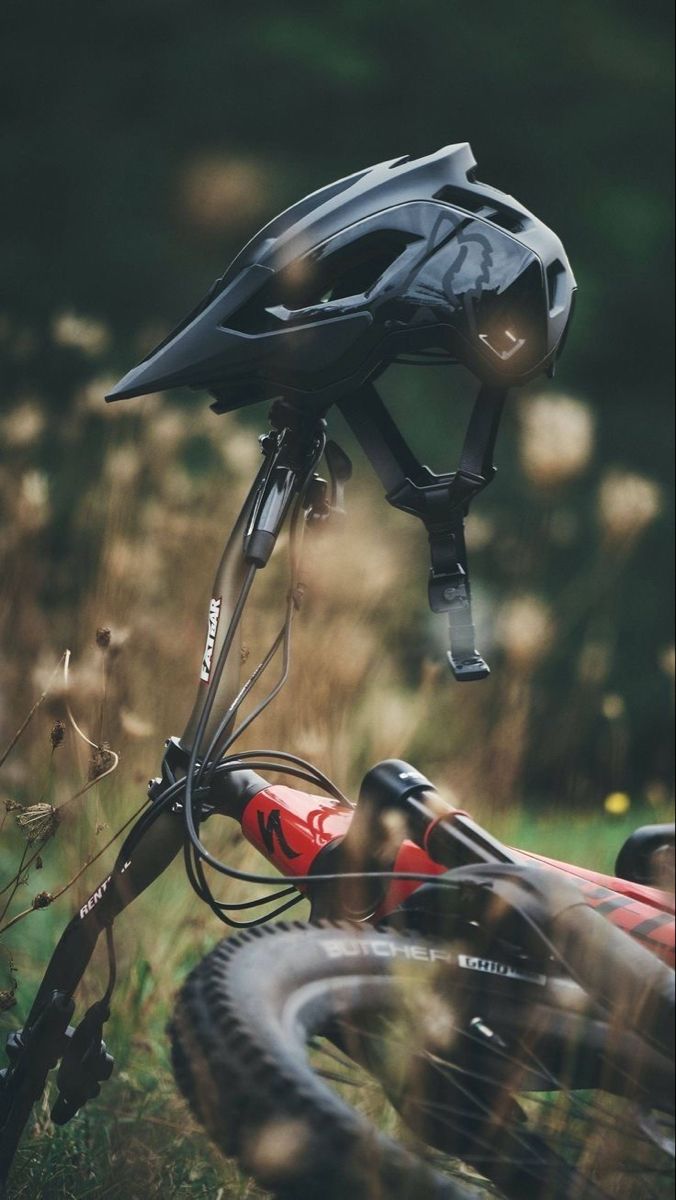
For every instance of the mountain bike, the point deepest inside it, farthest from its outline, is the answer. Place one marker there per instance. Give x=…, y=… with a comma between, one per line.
x=457, y=1017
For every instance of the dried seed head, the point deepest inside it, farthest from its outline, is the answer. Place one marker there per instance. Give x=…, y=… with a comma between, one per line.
x=7, y=999
x=33, y=509
x=38, y=822
x=42, y=900
x=525, y=629
x=668, y=661
x=103, y=636
x=627, y=504
x=83, y=333
x=101, y=759
x=12, y=805
x=24, y=424
x=298, y=595
x=134, y=725
x=57, y=734
x=278, y=1147
x=557, y=439
x=219, y=191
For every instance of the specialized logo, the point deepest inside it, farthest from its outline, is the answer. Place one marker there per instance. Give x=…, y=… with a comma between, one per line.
x=381, y=948
x=94, y=898
x=271, y=828
x=491, y=967
x=212, y=630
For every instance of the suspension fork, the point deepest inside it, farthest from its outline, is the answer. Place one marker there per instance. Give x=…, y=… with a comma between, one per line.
x=148, y=850
x=47, y=1036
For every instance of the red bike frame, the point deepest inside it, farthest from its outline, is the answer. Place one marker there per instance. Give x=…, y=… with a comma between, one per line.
x=292, y=828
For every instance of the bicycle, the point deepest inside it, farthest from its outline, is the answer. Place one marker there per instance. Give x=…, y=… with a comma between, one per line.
x=495, y=998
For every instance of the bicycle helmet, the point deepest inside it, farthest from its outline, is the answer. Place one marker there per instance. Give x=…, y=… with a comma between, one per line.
x=413, y=257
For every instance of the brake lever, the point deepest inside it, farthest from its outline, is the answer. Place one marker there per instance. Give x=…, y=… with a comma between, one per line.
x=324, y=499
x=85, y=1064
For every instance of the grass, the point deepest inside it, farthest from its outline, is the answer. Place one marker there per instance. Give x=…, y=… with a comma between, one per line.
x=138, y=1139
x=366, y=684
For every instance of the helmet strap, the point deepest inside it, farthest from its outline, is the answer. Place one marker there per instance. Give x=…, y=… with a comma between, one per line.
x=441, y=502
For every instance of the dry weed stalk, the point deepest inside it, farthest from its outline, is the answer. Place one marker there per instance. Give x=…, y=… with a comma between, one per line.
x=39, y=822
x=26, y=722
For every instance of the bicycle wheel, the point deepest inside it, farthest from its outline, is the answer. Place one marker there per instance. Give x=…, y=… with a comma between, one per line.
x=336, y=1062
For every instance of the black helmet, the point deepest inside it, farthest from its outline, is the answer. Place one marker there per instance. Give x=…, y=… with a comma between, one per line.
x=412, y=257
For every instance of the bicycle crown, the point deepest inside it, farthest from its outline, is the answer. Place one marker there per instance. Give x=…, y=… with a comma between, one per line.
x=412, y=257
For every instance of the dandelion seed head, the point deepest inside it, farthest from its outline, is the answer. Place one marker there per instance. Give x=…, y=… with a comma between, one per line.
x=668, y=661
x=627, y=504
x=278, y=1147
x=167, y=430
x=134, y=725
x=23, y=425
x=122, y=466
x=479, y=531
x=556, y=439
x=90, y=397
x=33, y=508
x=525, y=629
x=219, y=193
x=240, y=451
x=82, y=333
x=612, y=706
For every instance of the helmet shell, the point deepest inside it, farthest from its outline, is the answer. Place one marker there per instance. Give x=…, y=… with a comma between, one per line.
x=409, y=257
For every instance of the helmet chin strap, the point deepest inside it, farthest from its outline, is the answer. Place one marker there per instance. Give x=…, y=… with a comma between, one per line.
x=441, y=502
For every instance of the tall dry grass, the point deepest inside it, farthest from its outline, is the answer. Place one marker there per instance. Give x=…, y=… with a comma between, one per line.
x=123, y=532
x=109, y=548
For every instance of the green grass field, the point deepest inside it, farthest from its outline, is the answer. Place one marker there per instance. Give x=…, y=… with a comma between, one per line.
x=138, y=1140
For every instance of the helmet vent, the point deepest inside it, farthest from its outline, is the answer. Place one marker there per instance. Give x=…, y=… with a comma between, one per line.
x=320, y=278
x=354, y=270
x=491, y=210
x=555, y=280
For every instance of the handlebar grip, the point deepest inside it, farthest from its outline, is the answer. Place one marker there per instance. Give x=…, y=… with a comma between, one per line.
x=635, y=985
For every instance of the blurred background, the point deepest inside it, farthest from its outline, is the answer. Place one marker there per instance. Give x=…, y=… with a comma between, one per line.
x=141, y=144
